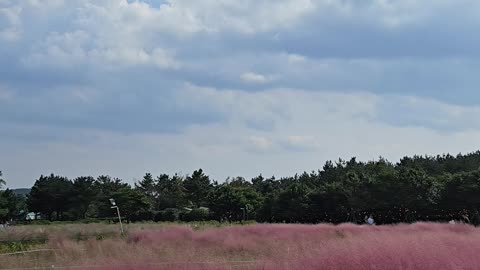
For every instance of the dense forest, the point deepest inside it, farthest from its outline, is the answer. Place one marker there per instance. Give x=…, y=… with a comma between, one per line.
x=419, y=188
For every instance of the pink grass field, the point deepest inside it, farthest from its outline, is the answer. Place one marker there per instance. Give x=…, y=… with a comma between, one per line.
x=269, y=247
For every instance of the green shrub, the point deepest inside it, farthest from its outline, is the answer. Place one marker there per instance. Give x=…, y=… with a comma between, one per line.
x=141, y=216
x=196, y=214
x=169, y=214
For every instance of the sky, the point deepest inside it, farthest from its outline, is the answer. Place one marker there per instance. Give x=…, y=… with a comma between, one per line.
x=237, y=88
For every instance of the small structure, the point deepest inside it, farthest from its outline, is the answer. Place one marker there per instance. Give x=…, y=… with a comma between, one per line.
x=31, y=216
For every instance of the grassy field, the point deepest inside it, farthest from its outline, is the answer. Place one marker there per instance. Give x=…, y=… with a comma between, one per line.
x=210, y=246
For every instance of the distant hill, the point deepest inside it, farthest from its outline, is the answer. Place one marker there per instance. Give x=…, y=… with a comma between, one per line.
x=22, y=191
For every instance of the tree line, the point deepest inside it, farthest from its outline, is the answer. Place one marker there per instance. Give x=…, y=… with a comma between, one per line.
x=418, y=188
x=11, y=204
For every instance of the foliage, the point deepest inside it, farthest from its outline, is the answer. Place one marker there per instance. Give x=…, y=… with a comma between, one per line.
x=416, y=188
x=12, y=206
x=49, y=195
x=84, y=194
x=196, y=214
x=197, y=187
x=2, y=182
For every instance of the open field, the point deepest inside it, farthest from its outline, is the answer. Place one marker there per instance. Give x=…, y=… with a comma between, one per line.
x=166, y=246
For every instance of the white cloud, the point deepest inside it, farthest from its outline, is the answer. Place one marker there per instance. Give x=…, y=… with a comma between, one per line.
x=16, y=16
x=428, y=112
x=10, y=23
x=261, y=143
x=60, y=50
x=295, y=58
x=183, y=17
x=252, y=77
x=134, y=33
x=391, y=14
x=127, y=33
x=311, y=127
x=280, y=81
x=46, y=4
x=84, y=94
x=73, y=48
x=135, y=57
x=301, y=142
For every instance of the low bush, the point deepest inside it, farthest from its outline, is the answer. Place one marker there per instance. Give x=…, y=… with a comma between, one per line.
x=196, y=214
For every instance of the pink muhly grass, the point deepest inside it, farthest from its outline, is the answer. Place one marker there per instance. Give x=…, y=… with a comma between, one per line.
x=269, y=247
x=166, y=234
x=347, y=246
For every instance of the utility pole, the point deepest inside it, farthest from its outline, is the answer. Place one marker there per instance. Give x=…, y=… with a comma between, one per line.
x=114, y=205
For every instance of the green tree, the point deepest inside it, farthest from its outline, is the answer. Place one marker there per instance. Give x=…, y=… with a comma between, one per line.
x=461, y=191
x=291, y=204
x=12, y=206
x=3, y=201
x=49, y=195
x=128, y=199
x=197, y=187
x=106, y=187
x=2, y=181
x=227, y=201
x=148, y=187
x=83, y=195
x=171, y=192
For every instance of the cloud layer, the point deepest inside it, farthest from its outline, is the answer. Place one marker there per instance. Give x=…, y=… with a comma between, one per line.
x=235, y=87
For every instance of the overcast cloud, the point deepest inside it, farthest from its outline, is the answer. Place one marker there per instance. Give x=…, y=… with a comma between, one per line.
x=234, y=87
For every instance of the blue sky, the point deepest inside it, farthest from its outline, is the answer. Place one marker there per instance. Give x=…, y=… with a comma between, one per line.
x=234, y=87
